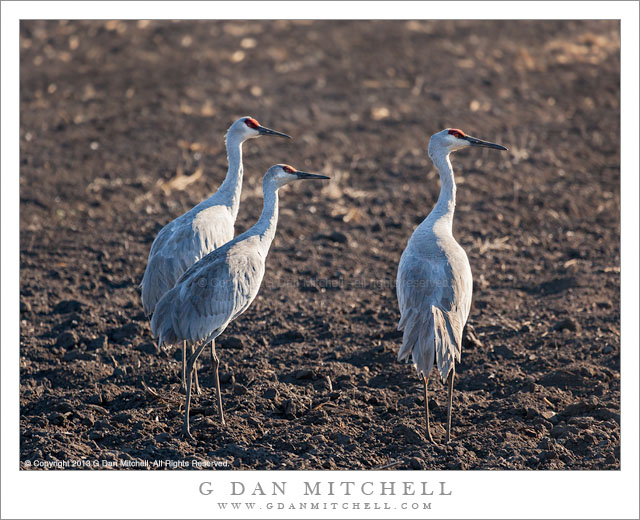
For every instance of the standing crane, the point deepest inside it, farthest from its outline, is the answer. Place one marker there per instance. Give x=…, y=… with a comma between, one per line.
x=221, y=286
x=207, y=226
x=434, y=282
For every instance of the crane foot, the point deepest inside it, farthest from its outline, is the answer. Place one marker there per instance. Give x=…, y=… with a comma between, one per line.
x=187, y=433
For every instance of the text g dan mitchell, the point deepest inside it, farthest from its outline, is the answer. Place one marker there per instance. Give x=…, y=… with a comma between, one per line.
x=319, y=488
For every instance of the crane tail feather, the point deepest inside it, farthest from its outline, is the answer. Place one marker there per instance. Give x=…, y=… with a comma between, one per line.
x=417, y=342
x=445, y=342
x=434, y=338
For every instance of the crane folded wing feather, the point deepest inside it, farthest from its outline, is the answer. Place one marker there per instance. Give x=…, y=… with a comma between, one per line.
x=209, y=295
x=432, y=337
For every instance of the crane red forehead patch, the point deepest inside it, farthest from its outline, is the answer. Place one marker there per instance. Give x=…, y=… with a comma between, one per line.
x=456, y=133
x=251, y=122
x=288, y=169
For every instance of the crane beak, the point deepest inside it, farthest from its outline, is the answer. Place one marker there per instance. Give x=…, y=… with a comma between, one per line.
x=262, y=130
x=305, y=175
x=484, y=144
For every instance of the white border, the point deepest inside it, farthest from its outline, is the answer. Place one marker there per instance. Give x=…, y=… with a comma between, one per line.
x=126, y=494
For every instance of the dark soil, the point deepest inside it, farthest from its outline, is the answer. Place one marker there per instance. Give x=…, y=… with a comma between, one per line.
x=113, y=112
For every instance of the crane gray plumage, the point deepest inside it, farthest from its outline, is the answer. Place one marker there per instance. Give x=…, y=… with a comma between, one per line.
x=222, y=285
x=204, y=228
x=212, y=293
x=434, y=282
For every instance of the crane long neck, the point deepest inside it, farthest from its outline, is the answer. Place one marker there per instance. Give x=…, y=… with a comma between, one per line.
x=231, y=188
x=446, y=204
x=266, y=225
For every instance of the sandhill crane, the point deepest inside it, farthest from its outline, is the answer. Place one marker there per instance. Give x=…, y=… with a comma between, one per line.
x=207, y=226
x=221, y=286
x=434, y=282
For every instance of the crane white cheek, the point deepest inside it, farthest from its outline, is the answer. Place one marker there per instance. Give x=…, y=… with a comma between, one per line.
x=459, y=144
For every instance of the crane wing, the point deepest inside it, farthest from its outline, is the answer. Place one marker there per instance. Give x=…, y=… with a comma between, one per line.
x=178, y=246
x=429, y=297
x=210, y=294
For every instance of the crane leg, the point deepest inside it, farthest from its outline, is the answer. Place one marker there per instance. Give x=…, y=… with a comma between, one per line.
x=196, y=384
x=191, y=362
x=425, y=380
x=183, y=386
x=216, y=363
x=451, y=376
x=186, y=352
x=185, y=426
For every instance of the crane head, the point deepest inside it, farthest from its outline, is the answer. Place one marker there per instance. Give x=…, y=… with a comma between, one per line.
x=452, y=139
x=282, y=174
x=249, y=128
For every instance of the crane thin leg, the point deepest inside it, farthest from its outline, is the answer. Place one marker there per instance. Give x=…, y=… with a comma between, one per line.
x=195, y=376
x=185, y=427
x=451, y=376
x=188, y=349
x=183, y=386
x=425, y=380
x=191, y=362
x=216, y=363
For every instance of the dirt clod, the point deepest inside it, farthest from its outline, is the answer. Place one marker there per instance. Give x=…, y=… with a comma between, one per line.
x=233, y=342
x=98, y=343
x=239, y=389
x=270, y=393
x=67, y=339
x=68, y=306
x=130, y=330
x=305, y=373
x=567, y=324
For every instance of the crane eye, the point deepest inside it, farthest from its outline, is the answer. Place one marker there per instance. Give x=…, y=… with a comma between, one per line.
x=456, y=133
x=251, y=123
x=288, y=169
